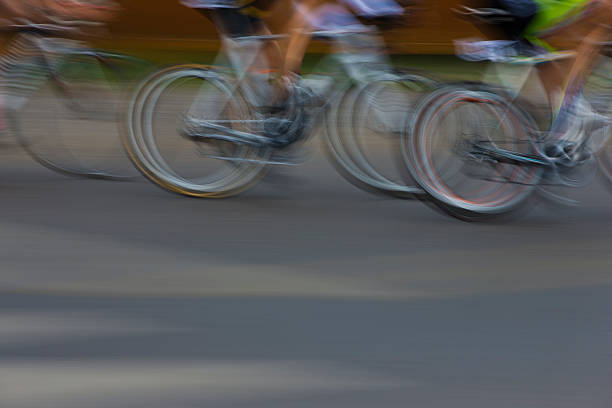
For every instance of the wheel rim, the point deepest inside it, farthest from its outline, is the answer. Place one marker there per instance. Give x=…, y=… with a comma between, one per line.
x=145, y=115
x=512, y=184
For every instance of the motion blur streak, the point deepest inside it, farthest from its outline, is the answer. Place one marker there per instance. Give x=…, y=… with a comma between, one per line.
x=323, y=278
x=155, y=383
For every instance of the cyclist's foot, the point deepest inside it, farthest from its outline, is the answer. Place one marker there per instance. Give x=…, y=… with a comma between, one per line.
x=592, y=120
x=283, y=132
x=288, y=120
x=567, y=152
x=311, y=91
x=558, y=150
x=276, y=127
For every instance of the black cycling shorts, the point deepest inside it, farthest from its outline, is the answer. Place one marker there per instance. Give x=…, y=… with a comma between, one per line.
x=233, y=23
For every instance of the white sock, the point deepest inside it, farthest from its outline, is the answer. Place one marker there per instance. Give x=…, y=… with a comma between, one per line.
x=242, y=55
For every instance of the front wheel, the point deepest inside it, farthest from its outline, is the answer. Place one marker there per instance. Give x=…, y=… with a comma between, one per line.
x=368, y=122
x=66, y=113
x=155, y=138
x=446, y=149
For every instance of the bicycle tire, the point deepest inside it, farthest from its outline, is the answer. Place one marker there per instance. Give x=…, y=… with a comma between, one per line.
x=146, y=151
x=70, y=122
x=499, y=194
x=349, y=154
x=373, y=111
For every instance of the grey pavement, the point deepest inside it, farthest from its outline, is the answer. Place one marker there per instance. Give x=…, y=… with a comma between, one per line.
x=303, y=292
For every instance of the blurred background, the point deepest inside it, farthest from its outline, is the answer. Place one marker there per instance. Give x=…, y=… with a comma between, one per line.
x=302, y=292
x=168, y=25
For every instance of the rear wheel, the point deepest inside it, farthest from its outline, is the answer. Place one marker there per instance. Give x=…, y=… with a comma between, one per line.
x=156, y=141
x=369, y=122
x=442, y=152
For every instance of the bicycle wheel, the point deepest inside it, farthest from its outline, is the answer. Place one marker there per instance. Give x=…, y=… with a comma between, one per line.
x=379, y=114
x=337, y=118
x=370, y=121
x=441, y=150
x=69, y=120
x=155, y=139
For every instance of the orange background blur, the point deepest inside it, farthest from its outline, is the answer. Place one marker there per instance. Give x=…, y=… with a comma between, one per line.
x=166, y=24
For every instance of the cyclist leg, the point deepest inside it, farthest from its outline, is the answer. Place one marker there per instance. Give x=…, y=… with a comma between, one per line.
x=252, y=59
x=581, y=30
x=299, y=29
x=311, y=14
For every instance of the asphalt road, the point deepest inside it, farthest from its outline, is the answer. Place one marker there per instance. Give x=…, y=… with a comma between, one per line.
x=303, y=292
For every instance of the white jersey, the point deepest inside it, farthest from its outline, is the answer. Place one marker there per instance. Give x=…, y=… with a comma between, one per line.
x=374, y=8
x=365, y=8
x=340, y=16
x=210, y=4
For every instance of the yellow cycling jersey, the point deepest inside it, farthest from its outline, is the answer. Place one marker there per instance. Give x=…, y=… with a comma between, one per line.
x=552, y=13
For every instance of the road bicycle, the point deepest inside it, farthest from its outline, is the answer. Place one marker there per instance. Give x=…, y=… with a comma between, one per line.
x=195, y=129
x=62, y=98
x=476, y=148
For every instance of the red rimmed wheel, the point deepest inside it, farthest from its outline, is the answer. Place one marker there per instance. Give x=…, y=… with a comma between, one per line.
x=446, y=147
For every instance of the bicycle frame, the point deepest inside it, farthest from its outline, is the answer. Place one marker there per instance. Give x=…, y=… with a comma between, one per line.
x=512, y=76
x=50, y=51
x=355, y=67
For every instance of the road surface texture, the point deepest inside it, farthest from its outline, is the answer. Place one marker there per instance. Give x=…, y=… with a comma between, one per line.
x=303, y=292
